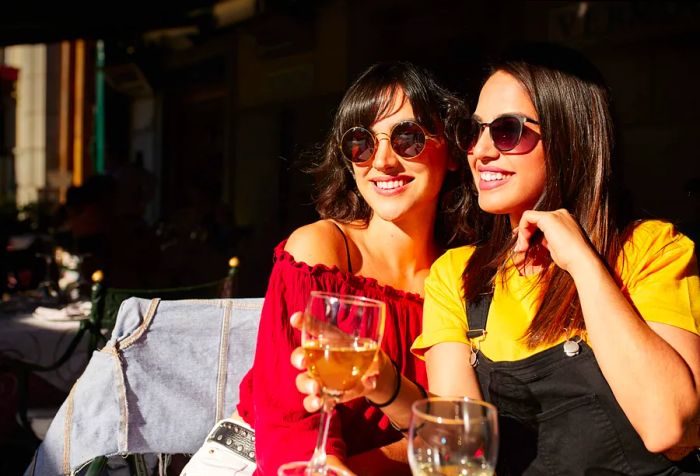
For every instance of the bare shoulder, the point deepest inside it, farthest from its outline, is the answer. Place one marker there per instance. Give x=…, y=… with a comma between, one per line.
x=318, y=243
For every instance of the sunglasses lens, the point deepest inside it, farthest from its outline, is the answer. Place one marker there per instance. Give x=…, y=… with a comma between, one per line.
x=474, y=132
x=506, y=132
x=357, y=145
x=463, y=134
x=408, y=139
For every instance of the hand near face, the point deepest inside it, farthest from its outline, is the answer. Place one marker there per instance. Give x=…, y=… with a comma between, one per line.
x=310, y=386
x=562, y=237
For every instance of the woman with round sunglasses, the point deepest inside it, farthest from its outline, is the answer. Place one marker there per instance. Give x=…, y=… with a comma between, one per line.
x=582, y=329
x=391, y=193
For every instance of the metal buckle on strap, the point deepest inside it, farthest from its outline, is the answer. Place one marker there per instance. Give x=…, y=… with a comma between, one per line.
x=236, y=438
x=476, y=334
x=475, y=337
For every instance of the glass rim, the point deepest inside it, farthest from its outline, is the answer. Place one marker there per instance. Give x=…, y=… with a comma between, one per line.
x=349, y=298
x=491, y=409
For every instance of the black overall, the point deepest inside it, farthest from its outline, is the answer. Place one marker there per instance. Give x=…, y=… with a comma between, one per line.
x=558, y=416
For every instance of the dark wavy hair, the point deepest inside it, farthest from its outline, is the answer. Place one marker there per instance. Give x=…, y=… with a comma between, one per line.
x=368, y=99
x=573, y=106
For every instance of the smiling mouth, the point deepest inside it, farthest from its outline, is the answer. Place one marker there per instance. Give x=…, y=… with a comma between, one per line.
x=391, y=184
x=493, y=176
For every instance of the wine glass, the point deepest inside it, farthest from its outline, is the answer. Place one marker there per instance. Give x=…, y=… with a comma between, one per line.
x=453, y=436
x=340, y=336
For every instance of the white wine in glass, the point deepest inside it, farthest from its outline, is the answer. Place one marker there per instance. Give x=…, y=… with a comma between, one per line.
x=339, y=368
x=340, y=336
x=453, y=437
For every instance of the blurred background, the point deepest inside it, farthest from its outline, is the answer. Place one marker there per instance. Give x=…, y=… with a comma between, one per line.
x=156, y=139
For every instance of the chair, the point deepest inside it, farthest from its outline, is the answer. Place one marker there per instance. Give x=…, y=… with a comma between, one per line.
x=106, y=300
x=105, y=305
x=170, y=370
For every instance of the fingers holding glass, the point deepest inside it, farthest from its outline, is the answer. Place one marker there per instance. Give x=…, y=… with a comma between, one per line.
x=340, y=336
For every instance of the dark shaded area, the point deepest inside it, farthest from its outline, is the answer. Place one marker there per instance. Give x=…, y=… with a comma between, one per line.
x=48, y=22
x=224, y=113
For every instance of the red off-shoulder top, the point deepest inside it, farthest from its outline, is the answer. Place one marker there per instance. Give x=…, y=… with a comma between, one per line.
x=269, y=399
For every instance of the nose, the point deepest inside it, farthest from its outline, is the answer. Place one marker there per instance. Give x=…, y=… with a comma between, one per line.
x=384, y=157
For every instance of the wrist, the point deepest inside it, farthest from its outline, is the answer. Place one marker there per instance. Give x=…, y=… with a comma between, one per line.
x=388, y=384
x=588, y=266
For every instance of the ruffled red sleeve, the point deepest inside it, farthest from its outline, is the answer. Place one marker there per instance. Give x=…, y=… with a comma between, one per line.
x=269, y=400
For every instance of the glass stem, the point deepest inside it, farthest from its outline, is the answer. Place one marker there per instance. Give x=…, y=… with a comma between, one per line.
x=317, y=465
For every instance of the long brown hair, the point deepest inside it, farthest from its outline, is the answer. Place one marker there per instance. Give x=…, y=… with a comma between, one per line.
x=366, y=100
x=573, y=107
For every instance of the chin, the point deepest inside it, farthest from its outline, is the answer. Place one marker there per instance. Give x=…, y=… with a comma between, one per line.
x=392, y=214
x=390, y=217
x=493, y=208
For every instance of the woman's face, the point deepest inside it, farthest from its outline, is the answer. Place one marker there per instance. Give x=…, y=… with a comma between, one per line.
x=397, y=188
x=507, y=182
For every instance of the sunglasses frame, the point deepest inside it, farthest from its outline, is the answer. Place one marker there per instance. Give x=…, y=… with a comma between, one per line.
x=376, y=139
x=522, y=119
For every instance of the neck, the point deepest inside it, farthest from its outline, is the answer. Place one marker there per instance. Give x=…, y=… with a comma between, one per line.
x=534, y=261
x=399, y=254
x=515, y=220
x=404, y=242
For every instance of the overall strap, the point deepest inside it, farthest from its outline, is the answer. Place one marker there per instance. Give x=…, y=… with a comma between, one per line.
x=477, y=314
x=347, y=248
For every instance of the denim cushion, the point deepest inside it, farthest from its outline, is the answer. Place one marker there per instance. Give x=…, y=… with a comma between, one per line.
x=158, y=386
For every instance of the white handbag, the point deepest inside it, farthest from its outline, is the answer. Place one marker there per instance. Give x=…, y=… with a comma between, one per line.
x=229, y=449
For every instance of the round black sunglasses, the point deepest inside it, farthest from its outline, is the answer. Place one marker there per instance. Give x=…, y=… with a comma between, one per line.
x=407, y=139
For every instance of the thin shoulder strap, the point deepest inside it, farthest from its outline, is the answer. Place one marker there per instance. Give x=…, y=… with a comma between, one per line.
x=347, y=248
x=477, y=314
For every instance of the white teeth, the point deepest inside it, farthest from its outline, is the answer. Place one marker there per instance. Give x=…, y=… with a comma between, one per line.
x=390, y=184
x=491, y=176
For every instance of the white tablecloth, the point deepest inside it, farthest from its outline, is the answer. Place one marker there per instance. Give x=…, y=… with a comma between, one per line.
x=32, y=339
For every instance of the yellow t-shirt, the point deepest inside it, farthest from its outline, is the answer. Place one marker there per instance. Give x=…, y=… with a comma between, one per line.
x=659, y=274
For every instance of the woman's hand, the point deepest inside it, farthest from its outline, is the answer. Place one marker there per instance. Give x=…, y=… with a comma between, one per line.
x=310, y=386
x=562, y=237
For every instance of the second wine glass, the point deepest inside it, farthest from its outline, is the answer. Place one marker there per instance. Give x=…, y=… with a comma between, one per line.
x=453, y=437
x=340, y=336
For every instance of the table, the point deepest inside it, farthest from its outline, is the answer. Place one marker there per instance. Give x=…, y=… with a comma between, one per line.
x=32, y=339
